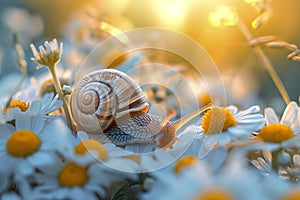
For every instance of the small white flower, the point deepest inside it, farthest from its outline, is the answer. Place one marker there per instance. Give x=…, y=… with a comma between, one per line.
x=222, y=125
x=49, y=103
x=280, y=134
x=48, y=55
x=113, y=157
x=161, y=158
x=31, y=144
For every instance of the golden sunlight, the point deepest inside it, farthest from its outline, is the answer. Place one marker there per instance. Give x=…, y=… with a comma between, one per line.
x=171, y=12
x=223, y=16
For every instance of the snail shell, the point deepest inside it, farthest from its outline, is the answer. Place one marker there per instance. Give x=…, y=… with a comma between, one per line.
x=107, y=96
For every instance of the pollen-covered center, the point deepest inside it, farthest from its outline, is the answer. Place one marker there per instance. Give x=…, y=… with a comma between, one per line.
x=184, y=162
x=215, y=194
x=217, y=119
x=73, y=175
x=22, y=105
x=23, y=143
x=93, y=145
x=275, y=133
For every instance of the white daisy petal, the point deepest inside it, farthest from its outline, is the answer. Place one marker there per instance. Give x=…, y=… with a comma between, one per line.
x=224, y=139
x=41, y=159
x=208, y=144
x=37, y=124
x=48, y=47
x=270, y=116
x=34, y=107
x=34, y=51
x=233, y=109
x=6, y=130
x=252, y=109
x=289, y=114
x=47, y=98
x=23, y=122
x=239, y=132
x=24, y=169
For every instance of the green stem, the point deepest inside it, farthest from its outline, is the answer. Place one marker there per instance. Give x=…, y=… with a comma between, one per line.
x=266, y=63
x=61, y=96
x=275, y=164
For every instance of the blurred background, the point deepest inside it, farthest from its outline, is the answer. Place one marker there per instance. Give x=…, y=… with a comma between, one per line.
x=35, y=21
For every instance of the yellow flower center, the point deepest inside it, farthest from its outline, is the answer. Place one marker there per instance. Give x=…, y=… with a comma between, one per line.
x=22, y=105
x=73, y=175
x=23, y=143
x=86, y=145
x=184, y=162
x=217, y=119
x=215, y=194
x=275, y=133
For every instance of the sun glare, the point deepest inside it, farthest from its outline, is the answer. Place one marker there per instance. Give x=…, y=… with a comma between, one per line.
x=223, y=16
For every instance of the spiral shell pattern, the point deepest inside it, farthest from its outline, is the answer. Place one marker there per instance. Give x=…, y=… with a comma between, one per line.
x=102, y=96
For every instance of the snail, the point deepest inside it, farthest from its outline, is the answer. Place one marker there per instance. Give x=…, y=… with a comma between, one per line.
x=111, y=107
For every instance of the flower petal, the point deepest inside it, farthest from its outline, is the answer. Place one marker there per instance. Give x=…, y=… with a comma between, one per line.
x=23, y=122
x=208, y=144
x=252, y=109
x=270, y=116
x=289, y=114
x=232, y=109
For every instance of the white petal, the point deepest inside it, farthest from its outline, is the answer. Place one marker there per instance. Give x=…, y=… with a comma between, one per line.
x=41, y=159
x=10, y=196
x=34, y=51
x=216, y=158
x=23, y=122
x=208, y=144
x=238, y=132
x=6, y=130
x=47, y=98
x=37, y=124
x=42, y=50
x=232, y=109
x=224, y=139
x=252, y=109
x=12, y=113
x=270, y=116
x=34, y=108
x=289, y=114
x=48, y=47
x=24, y=169
x=60, y=48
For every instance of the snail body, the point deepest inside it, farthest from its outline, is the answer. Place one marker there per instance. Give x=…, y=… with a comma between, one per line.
x=111, y=107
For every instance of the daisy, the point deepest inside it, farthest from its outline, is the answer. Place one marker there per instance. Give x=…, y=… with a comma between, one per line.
x=108, y=154
x=193, y=179
x=44, y=106
x=221, y=125
x=78, y=175
x=31, y=144
x=162, y=158
x=280, y=134
x=49, y=56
